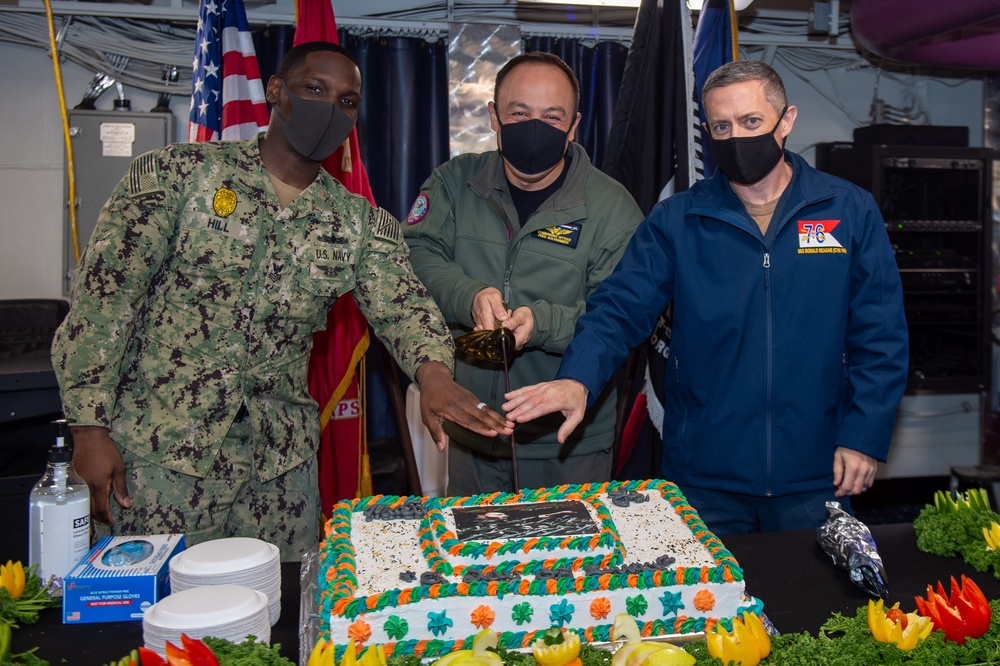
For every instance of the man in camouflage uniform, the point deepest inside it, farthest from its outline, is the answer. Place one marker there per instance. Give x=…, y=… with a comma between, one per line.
x=183, y=359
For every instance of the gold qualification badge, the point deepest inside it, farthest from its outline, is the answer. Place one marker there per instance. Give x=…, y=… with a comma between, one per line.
x=224, y=202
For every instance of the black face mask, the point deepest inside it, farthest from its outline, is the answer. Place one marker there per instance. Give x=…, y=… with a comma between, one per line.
x=532, y=146
x=747, y=159
x=316, y=128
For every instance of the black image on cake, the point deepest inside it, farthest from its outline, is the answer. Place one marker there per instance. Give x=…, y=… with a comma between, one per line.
x=523, y=521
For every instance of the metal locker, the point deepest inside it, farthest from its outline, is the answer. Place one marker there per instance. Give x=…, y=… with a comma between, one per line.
x=104, y=144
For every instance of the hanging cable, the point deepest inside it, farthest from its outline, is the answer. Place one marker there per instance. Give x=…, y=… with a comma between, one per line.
x=70, y=173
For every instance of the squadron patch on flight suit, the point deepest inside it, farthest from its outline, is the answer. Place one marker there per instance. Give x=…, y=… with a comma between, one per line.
x=142, y=176
x=224, y=202
x=385, y=227
x=563, y=234
x=419, y=209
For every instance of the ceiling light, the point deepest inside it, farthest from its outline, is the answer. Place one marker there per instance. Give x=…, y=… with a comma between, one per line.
x=588, y=3
x=693, y=5
x=740, y=5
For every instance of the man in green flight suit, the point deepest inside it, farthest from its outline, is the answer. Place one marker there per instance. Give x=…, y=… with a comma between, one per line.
x=183, y=359
x=532, y=227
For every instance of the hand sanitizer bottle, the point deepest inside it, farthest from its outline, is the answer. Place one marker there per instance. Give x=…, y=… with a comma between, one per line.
x=58, y=515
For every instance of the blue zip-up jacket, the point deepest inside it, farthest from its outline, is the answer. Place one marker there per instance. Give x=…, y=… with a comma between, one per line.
x=782, y=348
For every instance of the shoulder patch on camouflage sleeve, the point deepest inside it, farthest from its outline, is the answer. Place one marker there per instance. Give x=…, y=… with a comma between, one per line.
x=386, y=227
x=142, y=176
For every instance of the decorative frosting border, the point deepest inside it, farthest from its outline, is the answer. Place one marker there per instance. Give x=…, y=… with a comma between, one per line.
x=337, y=566
x=433, y=531
x=682, y=624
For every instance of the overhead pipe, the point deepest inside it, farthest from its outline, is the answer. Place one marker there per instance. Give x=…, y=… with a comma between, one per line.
x=962, y=34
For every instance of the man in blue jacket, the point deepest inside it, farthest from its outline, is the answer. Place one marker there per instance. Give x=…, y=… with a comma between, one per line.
x=789, y=350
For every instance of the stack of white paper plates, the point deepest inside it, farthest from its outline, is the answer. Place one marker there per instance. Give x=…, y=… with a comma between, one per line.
x=235, y=561
x=232, y=612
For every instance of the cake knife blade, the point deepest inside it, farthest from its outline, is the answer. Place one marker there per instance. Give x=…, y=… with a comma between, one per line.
x=492, y=346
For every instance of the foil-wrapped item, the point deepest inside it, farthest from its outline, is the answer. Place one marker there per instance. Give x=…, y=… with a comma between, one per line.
x=849, y=542
x=768, y=626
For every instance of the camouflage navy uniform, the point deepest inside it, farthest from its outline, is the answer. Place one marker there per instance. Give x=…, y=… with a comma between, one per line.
x=196, y=303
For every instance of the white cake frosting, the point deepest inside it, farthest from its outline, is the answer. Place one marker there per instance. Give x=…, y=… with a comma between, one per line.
x=415, y=585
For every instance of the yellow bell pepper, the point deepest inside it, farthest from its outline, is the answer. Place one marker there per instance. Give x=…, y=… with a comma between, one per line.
x=747, y=644
x=905, y=630
x=557, y=653
x=481, y=654
x=452, y=658
x=12, y=578
x=373, y=656
x=350, y=657
x=992, y=536
x=322, y=654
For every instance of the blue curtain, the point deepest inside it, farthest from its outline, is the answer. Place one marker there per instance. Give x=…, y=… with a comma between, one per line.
x=403, y=127
x=599, y=69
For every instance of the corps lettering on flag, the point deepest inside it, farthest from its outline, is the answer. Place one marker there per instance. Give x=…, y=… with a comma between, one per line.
x=346, y=409
x=227, y=95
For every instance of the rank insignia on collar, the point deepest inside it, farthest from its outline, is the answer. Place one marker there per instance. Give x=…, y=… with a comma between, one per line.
x=564, y=234
x=224, y=202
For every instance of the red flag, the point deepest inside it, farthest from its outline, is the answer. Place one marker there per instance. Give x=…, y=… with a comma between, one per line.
x=337, y=352
x=227, y=96
x=336, y=364
x=314, y=22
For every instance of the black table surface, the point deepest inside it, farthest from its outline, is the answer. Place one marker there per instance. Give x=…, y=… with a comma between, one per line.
x=797, y=581
x=801, y=587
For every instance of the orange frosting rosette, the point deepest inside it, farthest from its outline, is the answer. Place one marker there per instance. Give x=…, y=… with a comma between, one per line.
x=704, y=600
x=483, y=616
x=600, y=608
x=359, y=631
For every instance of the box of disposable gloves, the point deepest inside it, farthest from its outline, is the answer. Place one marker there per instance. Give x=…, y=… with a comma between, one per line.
x=119, y=578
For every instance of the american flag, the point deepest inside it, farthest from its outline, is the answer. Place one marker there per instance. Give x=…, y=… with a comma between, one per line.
x=227, y=96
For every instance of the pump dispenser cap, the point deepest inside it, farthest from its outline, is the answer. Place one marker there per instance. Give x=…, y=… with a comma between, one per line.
x=60, y=453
